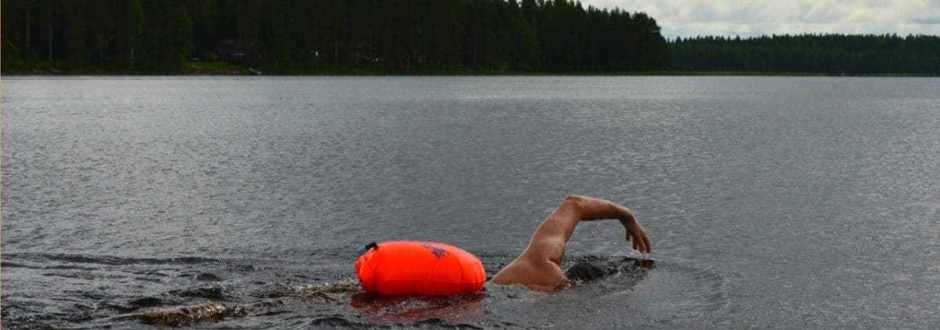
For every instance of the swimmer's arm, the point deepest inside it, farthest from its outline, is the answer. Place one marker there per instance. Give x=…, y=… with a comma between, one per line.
x=549, y=240
x=539, y=266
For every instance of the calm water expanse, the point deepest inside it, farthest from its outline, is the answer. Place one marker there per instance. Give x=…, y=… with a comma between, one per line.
x=771, y=202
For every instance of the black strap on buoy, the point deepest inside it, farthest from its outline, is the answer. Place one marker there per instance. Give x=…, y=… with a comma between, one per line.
x=368, y=247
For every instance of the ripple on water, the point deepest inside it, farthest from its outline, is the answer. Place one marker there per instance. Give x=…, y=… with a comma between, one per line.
x=274, y=293
x=667, y=294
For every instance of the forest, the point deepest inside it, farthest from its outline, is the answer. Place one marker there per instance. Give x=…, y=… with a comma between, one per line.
x=834, y=54
x=328, y=36
x=413, y=37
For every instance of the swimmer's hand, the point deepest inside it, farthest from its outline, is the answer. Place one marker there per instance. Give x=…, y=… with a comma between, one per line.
x=636, y=234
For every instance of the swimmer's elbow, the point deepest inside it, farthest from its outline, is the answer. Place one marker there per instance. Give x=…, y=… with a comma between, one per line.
x=546, y=251
x=573, y=202
x=574, y=199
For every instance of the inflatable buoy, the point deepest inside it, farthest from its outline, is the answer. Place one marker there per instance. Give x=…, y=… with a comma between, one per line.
x=419, y=268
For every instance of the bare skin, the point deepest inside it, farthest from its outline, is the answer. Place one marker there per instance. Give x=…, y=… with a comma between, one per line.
x=539, y=266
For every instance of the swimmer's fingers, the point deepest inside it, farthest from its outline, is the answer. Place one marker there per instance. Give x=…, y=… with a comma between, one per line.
x=639, y=242
x=637, y=235
x=646, y=242
x=642, y=242
x=633, y=239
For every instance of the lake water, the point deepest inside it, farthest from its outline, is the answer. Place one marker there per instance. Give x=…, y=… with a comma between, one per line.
x=771, y=202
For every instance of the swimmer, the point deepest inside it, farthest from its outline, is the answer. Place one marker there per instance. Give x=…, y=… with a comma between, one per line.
x=539, y=266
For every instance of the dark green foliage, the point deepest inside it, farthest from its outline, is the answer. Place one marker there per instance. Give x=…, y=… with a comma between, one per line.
x=310, y=36
x=830, y=54
x=166, y=41
x=11, y=56
x=76, y=35
x=413, y=36
x=127, y=36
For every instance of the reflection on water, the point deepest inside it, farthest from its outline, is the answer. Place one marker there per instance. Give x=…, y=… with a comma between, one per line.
x=229, y=293
x=455, y=309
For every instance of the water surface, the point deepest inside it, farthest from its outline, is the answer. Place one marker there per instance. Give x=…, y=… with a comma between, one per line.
x=771, y=202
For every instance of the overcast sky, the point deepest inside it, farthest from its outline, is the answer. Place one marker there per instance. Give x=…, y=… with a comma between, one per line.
x=687, y=18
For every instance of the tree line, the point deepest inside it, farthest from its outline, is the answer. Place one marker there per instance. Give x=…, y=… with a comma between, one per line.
x=413, y=36
x=310, y=36
x=810, y=53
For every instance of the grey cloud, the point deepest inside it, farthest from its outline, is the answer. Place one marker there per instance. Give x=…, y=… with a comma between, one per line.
x=754, y=17
x=824, y=12
x=926, y=20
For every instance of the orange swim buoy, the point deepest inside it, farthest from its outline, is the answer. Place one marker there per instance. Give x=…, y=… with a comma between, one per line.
x=419, y=268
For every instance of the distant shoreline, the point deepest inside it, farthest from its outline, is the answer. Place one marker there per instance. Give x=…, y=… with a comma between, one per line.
x=504, y=74
x=226, y=69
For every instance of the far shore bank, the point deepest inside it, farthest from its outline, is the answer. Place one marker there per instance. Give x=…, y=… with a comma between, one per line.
x=227, y=69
